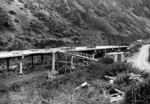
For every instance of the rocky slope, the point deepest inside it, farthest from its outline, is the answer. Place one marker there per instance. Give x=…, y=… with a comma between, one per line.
x=28, y=24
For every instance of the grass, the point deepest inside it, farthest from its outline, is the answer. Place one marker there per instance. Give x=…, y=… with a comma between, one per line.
x=39, y=90
x=59, y=91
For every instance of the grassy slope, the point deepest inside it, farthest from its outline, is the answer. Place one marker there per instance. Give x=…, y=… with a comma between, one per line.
x=39, y=24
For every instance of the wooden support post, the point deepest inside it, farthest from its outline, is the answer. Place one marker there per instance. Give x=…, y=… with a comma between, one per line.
x=53, y=63
x=32, y=61
x=7, y=60
x=41, y=61
x=93, y=55
x=21, y=65
x=105, y=51
x=72, y=63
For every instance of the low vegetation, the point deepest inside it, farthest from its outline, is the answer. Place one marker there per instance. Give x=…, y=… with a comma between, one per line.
x=41, y=90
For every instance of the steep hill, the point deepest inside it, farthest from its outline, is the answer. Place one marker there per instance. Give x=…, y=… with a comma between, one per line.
x=53, y=23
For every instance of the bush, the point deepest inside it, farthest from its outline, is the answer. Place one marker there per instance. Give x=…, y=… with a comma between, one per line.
x=4, y=99
x=122, y=78
x=116, y=68
x=3, y=89
x=138, y=93
x=5, y=21
x=62, y=90
x=12, y=12
x=40, y=90
x=97, y=70
x=106, y=60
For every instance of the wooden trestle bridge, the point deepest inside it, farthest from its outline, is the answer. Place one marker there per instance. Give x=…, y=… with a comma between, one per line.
x=62, y=59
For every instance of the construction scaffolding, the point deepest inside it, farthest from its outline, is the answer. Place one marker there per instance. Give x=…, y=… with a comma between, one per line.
x=72, y=62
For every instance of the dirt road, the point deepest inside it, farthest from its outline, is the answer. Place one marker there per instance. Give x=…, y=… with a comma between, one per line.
x=140, y=60
x=22, y=78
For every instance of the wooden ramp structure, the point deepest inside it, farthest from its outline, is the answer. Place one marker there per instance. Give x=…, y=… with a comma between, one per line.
x=72, y=62
x=63, y=58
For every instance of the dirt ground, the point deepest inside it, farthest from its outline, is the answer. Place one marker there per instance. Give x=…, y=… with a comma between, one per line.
x=140, y=59
x=21, y=78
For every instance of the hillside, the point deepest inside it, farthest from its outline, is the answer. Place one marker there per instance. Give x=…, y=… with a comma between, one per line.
x=28, y=24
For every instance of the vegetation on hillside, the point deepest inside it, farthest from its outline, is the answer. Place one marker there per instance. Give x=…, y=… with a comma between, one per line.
x=54, y=23
x=63, y=90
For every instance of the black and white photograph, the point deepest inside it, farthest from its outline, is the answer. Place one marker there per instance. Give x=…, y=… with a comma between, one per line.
x=74, y=51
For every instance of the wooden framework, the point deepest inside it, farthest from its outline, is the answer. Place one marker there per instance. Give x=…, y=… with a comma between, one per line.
x=67, y=62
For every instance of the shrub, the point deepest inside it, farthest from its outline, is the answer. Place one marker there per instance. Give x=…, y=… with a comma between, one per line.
x=97, y=70
x=116, y=68
x=16, y=20
x=122, y=78
x=138, y=93
x=106, y=60
x=20, y=1
x=3, y=89
x=5, y=21
x=12, y=12
x=61, y=90
x=36, y=27
x=4, y=99
x=15, y=86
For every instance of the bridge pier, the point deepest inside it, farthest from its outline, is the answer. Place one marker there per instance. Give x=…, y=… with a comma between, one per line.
x=21, y=65
x=53, y=71
x=94, y=53
x=115, y=58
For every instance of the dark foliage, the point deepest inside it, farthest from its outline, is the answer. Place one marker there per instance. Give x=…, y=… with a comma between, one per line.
x=12, y=12
x=138, y=93
x=5, y=21
x=106, y=60
x=97, y=70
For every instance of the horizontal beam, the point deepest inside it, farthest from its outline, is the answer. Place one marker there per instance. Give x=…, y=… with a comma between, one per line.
x=15, y=54
x=79, y=56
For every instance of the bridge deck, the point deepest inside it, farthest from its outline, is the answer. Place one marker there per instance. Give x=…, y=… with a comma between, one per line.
x=13, y=54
